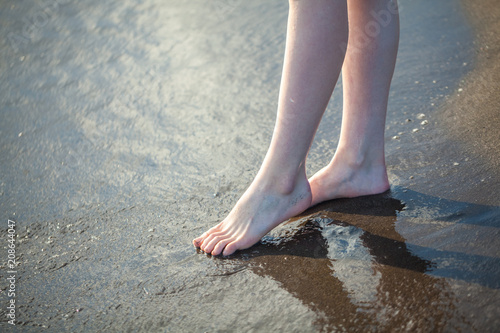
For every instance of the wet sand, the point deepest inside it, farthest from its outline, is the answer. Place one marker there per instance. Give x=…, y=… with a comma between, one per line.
x=128, y=129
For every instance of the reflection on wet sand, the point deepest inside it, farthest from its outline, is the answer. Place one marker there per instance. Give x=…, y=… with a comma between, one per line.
x=345, y=260
x=461, y=238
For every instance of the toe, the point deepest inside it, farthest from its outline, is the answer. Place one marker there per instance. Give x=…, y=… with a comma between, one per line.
x=211, y=244
x=220, y=246
x=197, y=241
x=208, y=243
x=208, y=240
x=230, y=248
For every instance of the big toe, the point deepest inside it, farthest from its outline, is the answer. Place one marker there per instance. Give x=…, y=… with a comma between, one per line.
x=231, y=248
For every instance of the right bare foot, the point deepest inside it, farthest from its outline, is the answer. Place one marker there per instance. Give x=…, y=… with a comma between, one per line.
x=260, y=209
x=341, y=179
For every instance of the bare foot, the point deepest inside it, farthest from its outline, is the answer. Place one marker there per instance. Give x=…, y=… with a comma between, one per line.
x=342, y=180
x=259, y=210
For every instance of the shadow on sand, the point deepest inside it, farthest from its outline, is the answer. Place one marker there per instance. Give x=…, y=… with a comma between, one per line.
x=345, y=260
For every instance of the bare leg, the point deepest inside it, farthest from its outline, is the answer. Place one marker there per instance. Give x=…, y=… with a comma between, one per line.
x=358, y=166
x=313, y=60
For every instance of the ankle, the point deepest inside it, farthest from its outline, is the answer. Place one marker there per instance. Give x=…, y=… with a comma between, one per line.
x=359, y=160
x=282, y=183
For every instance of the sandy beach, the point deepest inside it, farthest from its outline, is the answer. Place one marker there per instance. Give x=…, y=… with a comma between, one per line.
x=471, y=117
x=126, y=129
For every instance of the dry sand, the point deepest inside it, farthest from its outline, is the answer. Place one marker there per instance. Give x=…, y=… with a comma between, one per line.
x=472, y=115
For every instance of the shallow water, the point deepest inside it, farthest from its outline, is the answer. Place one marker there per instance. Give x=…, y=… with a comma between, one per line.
x=127, y=129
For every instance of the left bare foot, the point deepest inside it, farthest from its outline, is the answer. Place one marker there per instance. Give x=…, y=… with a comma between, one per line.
x=259, y=210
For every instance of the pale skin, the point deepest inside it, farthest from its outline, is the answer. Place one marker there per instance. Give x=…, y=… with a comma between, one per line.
x=315, y=53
